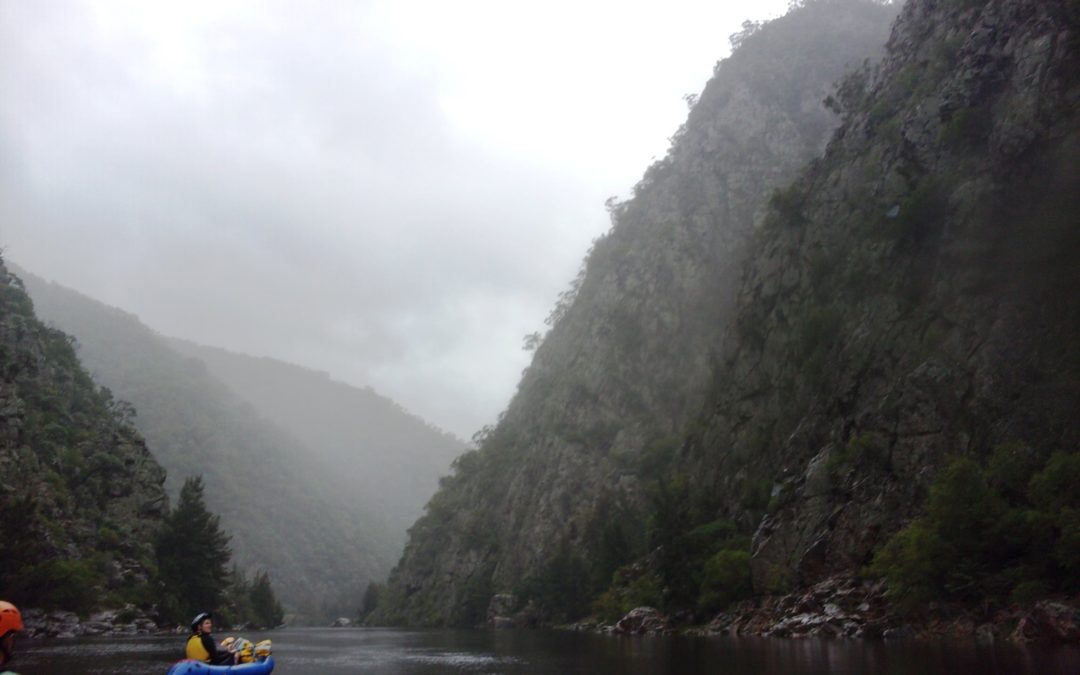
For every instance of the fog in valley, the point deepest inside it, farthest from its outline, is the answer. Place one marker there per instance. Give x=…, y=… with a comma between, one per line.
x=394, y=193
x=689, y=320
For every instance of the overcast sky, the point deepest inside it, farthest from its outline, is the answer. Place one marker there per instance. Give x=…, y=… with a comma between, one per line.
x=394, y=192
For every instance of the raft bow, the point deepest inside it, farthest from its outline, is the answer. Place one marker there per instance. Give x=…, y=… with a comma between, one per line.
x=190, y=667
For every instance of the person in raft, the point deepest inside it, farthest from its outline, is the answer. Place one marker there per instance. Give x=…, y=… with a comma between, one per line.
x=201, y=646
x=10, y=623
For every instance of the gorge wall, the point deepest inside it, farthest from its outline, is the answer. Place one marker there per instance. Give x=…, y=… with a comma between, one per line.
x=620, y=378
x=777, y=355
x=909, y=299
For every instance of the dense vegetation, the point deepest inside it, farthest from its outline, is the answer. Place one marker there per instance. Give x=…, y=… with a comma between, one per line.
x=80, y=495
x=1005, y=530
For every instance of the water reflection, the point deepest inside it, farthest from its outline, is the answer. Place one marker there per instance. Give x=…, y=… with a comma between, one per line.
x=420, y=652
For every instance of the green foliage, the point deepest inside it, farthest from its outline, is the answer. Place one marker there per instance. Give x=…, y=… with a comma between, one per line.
x=815, y=335
x=756, y=493
x=627, y=592
x=968, y=128
x=14, y=300
x=687, y=541
x=249, y=603
x=22, y=548
x=266, y=610
x=1067, y=547
x=921, y=216
x=725, y=578
x=915, y=80
x=560, y=589
x=913, y=562
x=74, y=585
x=748, y=29
x=1010, y=468
x=781, y=497
x=614, y=537
x=1054, y=488
x=656, y=458
x=1008, y=528
x=192, y=556
x=697, y=563
x=786, y=207
x=860, y=450
x=372, y=595
x=471, y=608
x=850, y=93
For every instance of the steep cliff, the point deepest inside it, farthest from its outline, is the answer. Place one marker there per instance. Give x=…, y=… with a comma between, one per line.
x=911, y=298
x=557, y=488
x=80, y=495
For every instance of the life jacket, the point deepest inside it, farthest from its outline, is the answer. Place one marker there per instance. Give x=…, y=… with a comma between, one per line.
x=196, y=650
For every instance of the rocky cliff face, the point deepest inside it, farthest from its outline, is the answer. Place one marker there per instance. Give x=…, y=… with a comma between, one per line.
x=80, y=495
x=630, y=360
x=804, y=360
x=910, y=296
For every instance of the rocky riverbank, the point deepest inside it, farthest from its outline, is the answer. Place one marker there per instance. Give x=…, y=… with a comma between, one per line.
x=848, y=607
x=61, y=624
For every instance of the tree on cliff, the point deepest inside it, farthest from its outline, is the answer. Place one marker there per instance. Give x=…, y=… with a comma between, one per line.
x=193, y=556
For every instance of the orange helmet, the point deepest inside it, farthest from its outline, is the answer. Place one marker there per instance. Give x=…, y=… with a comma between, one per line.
x=10, y=619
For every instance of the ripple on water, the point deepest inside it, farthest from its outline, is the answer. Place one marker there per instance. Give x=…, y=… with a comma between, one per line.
x=462, y=660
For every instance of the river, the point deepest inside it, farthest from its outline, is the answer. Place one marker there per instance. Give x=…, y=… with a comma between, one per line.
x=422, y=652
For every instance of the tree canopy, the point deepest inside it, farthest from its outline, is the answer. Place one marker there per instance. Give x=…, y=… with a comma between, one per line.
x=193, y=556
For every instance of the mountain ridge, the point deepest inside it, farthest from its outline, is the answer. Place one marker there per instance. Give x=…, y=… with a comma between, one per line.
x=321, y=551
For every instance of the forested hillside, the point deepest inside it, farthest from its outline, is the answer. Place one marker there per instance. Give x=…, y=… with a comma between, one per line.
x=557, y=497
x=321, y=544
x=387, y=458
x=81, y=498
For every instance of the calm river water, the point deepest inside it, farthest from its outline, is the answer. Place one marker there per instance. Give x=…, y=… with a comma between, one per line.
x=423, y=652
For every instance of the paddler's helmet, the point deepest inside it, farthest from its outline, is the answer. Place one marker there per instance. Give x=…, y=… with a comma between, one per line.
x=10, y=618
x=10, y=622
x=199, y=618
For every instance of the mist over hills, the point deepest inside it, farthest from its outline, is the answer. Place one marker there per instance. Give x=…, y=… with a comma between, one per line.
x=390, y=458
x=315, y=483
x=821, y=376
